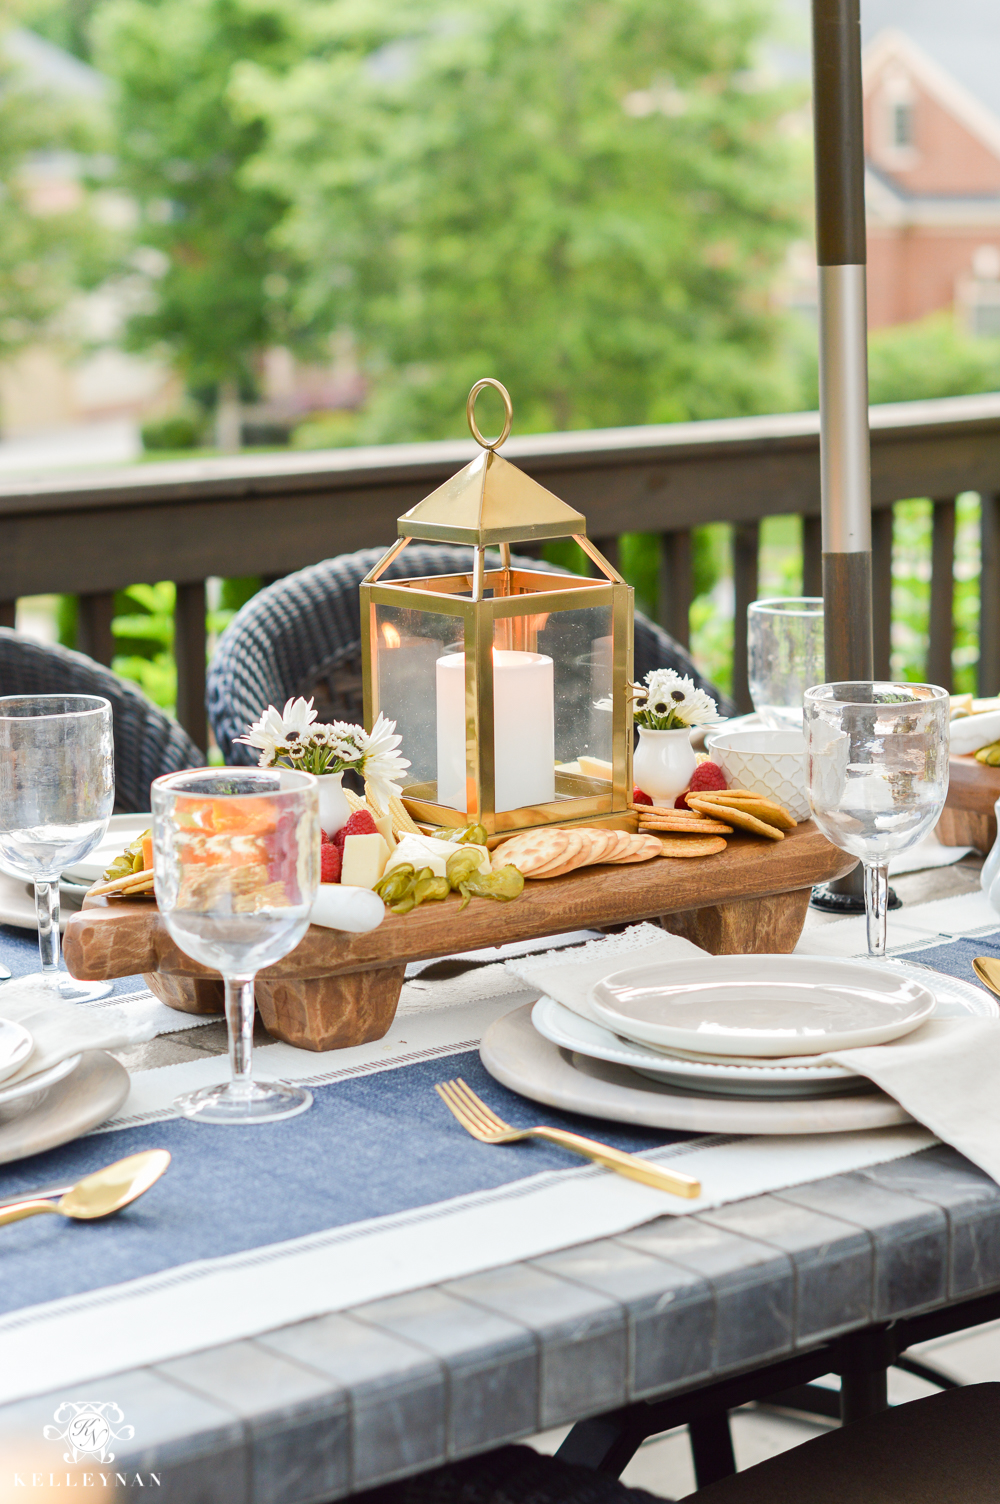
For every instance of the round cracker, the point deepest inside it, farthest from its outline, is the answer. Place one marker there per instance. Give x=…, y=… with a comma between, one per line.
x=602, y=842
x=742, y=818
x=533, y=849
x=695, y=827
x=688, y=846
x=568, y=857
x=644, y=848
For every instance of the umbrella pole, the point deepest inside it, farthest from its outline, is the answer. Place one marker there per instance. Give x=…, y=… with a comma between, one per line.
x=841, y=254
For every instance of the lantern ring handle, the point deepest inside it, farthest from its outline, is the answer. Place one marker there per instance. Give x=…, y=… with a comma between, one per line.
x=470, y=412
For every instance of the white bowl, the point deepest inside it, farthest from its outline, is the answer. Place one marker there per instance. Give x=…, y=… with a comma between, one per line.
x=764, y=762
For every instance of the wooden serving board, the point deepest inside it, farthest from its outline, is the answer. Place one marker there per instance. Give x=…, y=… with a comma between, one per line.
x=336, y=990
x=967, y=818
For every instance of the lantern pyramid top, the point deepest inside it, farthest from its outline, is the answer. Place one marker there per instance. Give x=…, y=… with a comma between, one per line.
x=490, y=501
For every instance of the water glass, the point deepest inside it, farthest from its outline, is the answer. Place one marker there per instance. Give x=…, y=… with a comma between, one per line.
x=877, y=775
x=57, y=792
x=236, y=862
x=784, y=656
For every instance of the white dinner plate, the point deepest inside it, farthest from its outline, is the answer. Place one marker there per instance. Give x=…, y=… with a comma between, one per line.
x=761, y=1005
x=121, y=832
x=520, y=1058
x=32, y=1085
x=16, y=1044
x=795, y=1076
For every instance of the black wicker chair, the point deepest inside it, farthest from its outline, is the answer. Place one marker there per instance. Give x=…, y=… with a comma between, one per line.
x=302, y=636
x=147, y=742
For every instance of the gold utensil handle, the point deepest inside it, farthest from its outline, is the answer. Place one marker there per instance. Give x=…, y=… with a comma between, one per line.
x=26, y=1209
x=624, y=1164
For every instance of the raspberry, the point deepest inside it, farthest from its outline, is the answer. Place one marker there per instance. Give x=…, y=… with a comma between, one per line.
x=706, y=777
x=359, y=824
x=638, y=797
x=330, y=860
x=325, y=840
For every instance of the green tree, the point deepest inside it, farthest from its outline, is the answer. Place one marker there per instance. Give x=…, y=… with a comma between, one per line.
x=586, y=198
x=222, y=295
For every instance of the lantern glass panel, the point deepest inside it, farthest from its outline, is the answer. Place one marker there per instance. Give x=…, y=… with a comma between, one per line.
x=407, y=646
x=580, y=645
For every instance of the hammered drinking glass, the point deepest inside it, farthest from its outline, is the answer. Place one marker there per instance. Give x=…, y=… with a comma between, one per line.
x=236, y=859
x=876, y=775
x=784, y=656
x=57, y=792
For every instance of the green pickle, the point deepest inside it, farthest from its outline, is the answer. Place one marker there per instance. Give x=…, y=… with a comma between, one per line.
x=460, y=867
x=431, y=889
x=989, y=755
x=504, y=884
x=396, y=883
x=468, y=835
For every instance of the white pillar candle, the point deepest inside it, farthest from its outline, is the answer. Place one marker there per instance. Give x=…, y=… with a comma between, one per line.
x=523, y=730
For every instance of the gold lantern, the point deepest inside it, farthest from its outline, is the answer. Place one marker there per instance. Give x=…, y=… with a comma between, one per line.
x=509, y=686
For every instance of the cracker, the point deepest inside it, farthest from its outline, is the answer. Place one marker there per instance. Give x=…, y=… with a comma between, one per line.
x=643, y=849
x=529, y=852
x=759, y=805
x=742, y=818
x=688, y=846
x=704, y=827
x=603, y=841
x=568, y=857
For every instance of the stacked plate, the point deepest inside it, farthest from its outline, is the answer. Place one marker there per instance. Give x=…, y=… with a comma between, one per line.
x=17, y=901
x=727, y=1043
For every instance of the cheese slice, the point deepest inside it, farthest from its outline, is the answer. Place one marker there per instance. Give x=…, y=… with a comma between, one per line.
x=430, y=851
x=595, y=767
x=364, y=861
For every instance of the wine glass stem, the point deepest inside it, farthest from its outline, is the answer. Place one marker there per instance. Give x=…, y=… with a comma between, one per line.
x=876, y=905
x=47, y=911
x=239, y=1018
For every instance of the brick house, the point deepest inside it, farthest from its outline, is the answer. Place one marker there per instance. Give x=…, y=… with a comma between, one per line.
x=932, y=136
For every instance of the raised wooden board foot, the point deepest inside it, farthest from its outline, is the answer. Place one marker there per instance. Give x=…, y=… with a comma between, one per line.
x=754, y=925
x=331, y=1012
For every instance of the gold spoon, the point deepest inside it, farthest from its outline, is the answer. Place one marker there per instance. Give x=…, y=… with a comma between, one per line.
x=100, y=1194
x=987, y=969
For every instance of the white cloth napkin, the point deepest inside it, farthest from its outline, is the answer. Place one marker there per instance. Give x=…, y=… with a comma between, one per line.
x=569, y=976
x=62, y=1029
x=946, y=1074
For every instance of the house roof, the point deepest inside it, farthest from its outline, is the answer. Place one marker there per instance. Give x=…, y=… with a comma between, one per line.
x=49, y=67
x=962, y=37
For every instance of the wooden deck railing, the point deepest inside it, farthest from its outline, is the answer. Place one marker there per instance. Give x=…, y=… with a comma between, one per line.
x=89, y=534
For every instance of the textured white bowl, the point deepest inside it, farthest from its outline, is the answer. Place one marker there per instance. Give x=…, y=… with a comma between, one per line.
x=765, y=762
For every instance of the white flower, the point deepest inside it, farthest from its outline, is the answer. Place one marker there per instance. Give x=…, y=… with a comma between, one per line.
x=268, y=735
x=297, y=717
x=382, y=763
x=674, y=699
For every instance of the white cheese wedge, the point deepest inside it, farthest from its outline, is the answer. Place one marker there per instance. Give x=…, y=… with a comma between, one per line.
x=595, y=767
x=355, y=910
x=364, y=861
x=430, y=851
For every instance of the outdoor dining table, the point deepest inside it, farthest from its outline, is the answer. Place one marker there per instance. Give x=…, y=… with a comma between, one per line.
x=673, y=1321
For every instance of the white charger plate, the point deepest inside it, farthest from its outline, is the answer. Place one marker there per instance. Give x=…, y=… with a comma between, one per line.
x=800, y=1076
x=517, y=1056
x=32, y=1085
x=761, y=1005
x=87, y=1095
x=16, y=1044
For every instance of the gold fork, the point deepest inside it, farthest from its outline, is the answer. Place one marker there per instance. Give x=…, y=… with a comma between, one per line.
x=479, y=1120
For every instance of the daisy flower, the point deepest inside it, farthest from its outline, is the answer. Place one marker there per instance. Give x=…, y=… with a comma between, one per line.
x=669, y=700
x=382, y=763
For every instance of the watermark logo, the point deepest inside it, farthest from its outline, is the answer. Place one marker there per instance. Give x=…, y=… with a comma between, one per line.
x=88, y=1429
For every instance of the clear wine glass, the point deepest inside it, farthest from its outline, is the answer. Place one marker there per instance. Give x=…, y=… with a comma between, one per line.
x=784, y=656
x=57, y=791
x=236, y=863
x=877, y=775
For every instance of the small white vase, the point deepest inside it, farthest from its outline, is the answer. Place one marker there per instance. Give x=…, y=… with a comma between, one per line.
x=334, y=810
x=663, y=763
